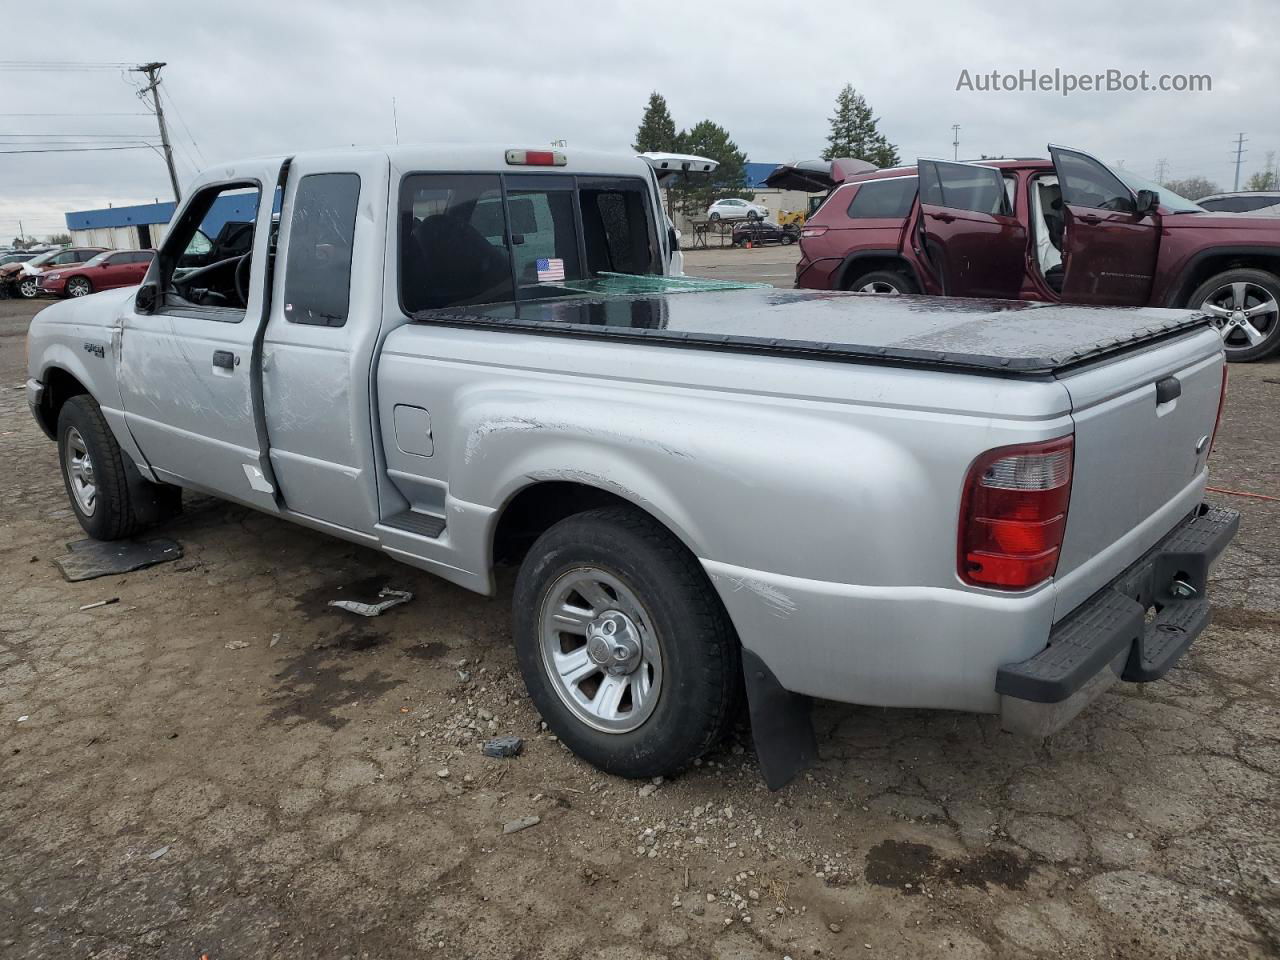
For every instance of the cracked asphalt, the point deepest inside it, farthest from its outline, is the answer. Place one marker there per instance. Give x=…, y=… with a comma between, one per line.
x=317, y=789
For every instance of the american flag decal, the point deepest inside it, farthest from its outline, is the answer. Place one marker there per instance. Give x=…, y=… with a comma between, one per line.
x=549, y=269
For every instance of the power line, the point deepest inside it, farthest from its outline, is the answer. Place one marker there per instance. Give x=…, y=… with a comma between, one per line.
x=80, y=115
x=54, y=66
x=141, y=146
x=183, y=120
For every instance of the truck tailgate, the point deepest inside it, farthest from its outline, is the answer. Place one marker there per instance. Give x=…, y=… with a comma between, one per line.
x=1143, y=424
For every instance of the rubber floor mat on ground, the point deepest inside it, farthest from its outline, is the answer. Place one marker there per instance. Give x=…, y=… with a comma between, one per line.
x=90, y=559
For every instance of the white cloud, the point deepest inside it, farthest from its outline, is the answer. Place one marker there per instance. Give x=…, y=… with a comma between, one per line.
x=254, y=78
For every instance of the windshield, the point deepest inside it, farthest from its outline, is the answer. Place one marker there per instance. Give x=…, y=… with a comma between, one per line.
x=1168, y=199
x=44, y=258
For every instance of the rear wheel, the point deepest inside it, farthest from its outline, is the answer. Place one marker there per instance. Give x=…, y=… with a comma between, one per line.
x=623, y=644
x=752, y=215
x=889, y=282
x=714, y=217
x=79, y=287
x=1245, y=307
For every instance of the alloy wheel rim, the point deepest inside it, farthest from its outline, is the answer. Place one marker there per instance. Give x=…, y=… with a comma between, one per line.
x=879, y=286
x=77, y=288
x=1245, y=314
x=80, y=473
x=599, y=650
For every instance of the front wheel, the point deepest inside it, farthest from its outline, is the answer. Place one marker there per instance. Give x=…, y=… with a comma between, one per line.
x=752, y=215
x=714, y=217
x=93, y=471
x=79, y=287
x=1245, y=307
x=623, y=644
x=28, y=288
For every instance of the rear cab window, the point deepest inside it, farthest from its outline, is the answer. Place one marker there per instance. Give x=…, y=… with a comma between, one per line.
x=317, y=273
x=474, y=238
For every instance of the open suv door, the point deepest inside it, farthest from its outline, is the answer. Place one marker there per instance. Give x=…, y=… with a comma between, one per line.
x=971, y=238
x=1110, y=239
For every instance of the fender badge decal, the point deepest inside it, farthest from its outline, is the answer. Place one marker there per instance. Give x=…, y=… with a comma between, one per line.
x=97, y=349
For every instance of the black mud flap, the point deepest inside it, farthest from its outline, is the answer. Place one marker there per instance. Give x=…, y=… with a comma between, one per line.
x=780, y=725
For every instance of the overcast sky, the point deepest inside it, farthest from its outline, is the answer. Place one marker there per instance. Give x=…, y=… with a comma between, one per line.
x=251, y=78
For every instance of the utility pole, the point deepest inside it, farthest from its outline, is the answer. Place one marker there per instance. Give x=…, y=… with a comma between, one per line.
x=1162, y=166
x=1240, y=142
x=395, y=120
x=152, y=70
x=955, y=141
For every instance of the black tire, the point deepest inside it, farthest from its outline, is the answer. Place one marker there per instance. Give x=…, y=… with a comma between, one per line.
x=714, y=217
x=788, y=239
x=752, y=215
x=701, y=686
x=1238, y=347
x=113, y=516
x=79, y=287
x=899, y=282
x=28, y=288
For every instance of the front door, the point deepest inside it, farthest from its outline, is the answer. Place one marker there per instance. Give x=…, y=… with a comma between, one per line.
x=971, y=237
x=1108, y=249
x=189, y=349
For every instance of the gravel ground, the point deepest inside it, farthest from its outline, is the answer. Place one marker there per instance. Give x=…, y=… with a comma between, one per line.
x=220, y=764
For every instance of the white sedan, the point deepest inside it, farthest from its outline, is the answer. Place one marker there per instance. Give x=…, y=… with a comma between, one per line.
x=735, y=209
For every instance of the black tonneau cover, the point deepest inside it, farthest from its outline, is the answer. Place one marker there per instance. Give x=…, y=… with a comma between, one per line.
x=1011, y=337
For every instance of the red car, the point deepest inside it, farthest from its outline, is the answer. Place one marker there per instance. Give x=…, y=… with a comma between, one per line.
x=110, y=269
x=1067, y=229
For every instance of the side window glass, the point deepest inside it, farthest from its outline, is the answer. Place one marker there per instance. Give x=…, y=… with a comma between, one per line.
x=452, y=245
x=883, y=199
x=546, y=250
x=1087, y=183
x=317, y=276
x=205, y=261
x=963, y=186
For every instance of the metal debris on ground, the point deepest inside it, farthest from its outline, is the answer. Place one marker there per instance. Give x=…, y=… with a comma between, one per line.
x=275, y=638
x=503, y=747
x=236, y=644
x=523, y=823
x=157, y=854
x=24, y=718
x=393, y=598
x=101, y=603
x=90, y=559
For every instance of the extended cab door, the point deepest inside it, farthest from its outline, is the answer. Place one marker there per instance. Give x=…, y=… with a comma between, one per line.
x=189, y=350
x=321, y=336
x=1108, y=249
x=971, y=237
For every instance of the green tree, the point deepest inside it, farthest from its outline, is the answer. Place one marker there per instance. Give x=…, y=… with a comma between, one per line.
x=657, y=130
x=1193, y=188
x=693, y=194
x=855, y=132
x=59, y=238
x=1263, y=180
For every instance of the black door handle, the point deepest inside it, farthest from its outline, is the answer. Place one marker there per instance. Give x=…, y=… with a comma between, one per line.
x=1170, y=388
x=1090, y=218
x=944, y=217
x=224, y=359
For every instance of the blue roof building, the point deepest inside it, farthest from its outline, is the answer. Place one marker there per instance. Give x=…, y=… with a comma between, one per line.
x=144, y=225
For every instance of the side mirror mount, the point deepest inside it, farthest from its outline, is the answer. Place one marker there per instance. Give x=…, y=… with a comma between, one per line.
x=146, y=299
x=1147, y=203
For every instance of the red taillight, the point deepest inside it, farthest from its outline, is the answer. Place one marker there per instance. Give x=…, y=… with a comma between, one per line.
x=535, y=158
x=1222, y=402
x=1013, y=514
x=816, y=230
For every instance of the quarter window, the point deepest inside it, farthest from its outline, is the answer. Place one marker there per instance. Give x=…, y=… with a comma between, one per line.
x=883, y=199
x=317, y=275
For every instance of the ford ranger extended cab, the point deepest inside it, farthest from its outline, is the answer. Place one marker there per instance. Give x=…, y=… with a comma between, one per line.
x=463, y=357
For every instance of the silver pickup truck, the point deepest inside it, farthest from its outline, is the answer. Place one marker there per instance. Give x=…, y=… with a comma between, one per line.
x=467, y=357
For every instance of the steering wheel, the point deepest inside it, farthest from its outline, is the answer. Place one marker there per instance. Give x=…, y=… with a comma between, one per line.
x=242, y=279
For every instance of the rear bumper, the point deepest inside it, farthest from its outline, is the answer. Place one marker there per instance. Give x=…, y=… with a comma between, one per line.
x=1109, y=637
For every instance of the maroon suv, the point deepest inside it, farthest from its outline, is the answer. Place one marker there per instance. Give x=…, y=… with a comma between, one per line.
x=1066, y=229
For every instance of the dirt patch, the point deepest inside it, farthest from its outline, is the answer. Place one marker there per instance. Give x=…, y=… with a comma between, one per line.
x=911, y=867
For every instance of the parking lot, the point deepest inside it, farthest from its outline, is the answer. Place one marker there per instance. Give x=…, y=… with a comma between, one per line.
x=221, y=764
